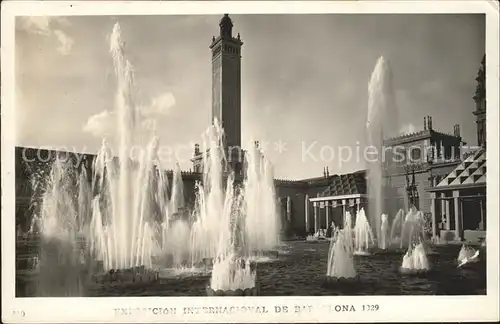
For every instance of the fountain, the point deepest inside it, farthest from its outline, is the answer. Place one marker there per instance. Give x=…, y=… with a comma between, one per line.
x=176, y=244
x=319, y=236
x=60, y=271
x=177, y=196
x=121, y=212
x=241, y=226
x=175, y=229
x=232, y=276
x=261, y=225
x=348, y=229
x=381, y=123
x=397, y=228
x=466, y=255
x=340, y=266
x=409, y=229
x=116, y=212
x=363, y=236
x=413, y=231
x=415, y=260
x=384, y=232
x=130, y=219
x=130, y=198
x=211, y=230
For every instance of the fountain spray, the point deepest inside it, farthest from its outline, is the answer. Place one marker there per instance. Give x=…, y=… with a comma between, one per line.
x=381, y=124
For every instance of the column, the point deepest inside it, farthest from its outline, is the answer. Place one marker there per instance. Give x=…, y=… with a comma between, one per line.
x=316, y=207
x=448, y=215
x=327, y=211
x=443, y=206
x=433, y=213
x=343, y=212
x=288, y=209
x=458, y=214
x=334, y=205
x=306, y=211
x=481, y=224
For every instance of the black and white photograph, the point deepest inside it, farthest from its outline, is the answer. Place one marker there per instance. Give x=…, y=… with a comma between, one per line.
x=250, y=154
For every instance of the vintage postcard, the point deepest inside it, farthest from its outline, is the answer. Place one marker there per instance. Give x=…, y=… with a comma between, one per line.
x=250, y=161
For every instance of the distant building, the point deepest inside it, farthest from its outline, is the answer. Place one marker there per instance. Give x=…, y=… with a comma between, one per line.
x=425, y=157
x=458, y=201
x=312, y=204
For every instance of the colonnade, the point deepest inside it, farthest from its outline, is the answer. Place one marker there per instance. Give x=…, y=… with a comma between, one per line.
x=328, y=203
x=445, y=199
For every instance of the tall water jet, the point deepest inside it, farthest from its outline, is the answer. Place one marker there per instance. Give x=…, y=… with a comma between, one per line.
x=363, y=235
x=381, y=123
x=211, y=229
x=130, y=199
x=176, y=245
x=175, y=227
x=413, y=231
x=140, y=220
x=261, y=226
x=84, y=201
x=397, y=227
x=384, y=232
x=347, y=229
x=125, y=113
x=61, y=272
x=348, y=220
x=177, y=196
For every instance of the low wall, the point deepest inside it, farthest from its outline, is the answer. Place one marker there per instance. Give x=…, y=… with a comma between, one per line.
x=474, y=236
x=448, y=236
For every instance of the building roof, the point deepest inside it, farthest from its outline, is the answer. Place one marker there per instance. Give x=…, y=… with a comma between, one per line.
x=471, y=172
x=347, y=184
x=419, y=135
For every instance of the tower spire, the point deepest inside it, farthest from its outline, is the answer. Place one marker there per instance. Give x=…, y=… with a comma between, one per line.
x=226, y=90
x=226, y=27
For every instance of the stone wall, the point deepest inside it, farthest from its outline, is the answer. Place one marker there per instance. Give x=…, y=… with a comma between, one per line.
x=398, y=186
x=296, y=192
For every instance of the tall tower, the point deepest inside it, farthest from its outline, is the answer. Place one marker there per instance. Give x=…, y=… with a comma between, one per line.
x=226, y=95
x=480, y=99
x=226, y=87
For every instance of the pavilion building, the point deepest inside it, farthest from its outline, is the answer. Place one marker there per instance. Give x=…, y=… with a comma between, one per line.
x=458, y=201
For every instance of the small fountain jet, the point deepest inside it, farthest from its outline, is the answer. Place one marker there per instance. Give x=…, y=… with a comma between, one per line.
x=340, y=258
x=467, y=255
x=415, y=260
x=363, y=235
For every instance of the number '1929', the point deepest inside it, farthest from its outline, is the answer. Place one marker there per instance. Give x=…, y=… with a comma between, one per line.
x=370, y=308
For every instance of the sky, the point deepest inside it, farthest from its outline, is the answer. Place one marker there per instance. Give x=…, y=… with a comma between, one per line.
x=304, y=80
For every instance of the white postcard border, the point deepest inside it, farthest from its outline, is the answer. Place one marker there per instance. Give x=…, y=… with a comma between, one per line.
x=142, y=309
